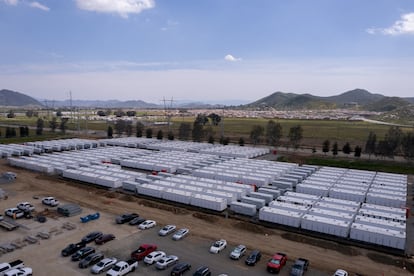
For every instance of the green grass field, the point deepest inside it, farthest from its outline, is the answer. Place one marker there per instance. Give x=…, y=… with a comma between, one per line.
x=314, y=131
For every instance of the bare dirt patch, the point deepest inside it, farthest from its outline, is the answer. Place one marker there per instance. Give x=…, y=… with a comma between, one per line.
x=346, y=250
x=250, y=227
x=161, y=206
x=206, y=217
x=397, y=262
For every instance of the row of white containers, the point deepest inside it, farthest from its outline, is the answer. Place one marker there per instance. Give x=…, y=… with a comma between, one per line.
x=340, y=218
x=355, y=185
x=30, y=148
x=15, y=150
x=63, y=144
x=110, y=176
x=247, y=171
x=57, y=162
x=168, y=161
x=206, y=193
x=235, y=151
x=206, y=148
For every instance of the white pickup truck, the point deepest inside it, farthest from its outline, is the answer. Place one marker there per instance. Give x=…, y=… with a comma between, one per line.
x=122, y=268
x=4, y=267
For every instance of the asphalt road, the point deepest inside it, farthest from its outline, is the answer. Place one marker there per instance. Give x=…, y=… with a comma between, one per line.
x=193, y=250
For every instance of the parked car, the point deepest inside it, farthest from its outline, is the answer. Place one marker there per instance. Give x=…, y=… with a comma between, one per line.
x=147, y=224
x=137, y=221
x=276, y=263
x=82, y=253
x=166, y=262
x=23, y=271
x=154, y=257
x=72, y=248
x=124, y=218
x=253, y=258
x=180, y=268
x=103, y=265
x=91, y=260
x=90, y=217
x=341, y=272
x=25, y=206
x=92, y=236
x=238, y=252
x=11, y=265
x=202, y=271
x=122, y=268
x=167, y=229
x=299, y=267
x=180, y=234
x=218, y=246
x=14, y=213
x=104, y=238
x=50, y=201
x=143, y=251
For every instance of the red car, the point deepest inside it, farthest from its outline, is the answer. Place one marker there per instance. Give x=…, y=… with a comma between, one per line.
x=143, y=251
x=276, y=263
x=104, y=238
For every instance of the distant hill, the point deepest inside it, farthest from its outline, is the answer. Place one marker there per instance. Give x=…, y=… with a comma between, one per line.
x=357, y=98
x=360, y=96
x=387, y=104
x=13, y=98
x=127, y=104
x=411, y=100
x=105, y=104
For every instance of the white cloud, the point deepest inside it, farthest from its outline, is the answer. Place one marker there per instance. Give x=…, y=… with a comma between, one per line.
x=37, y=5
x=231, y=58
x=122, y=7
x=11, y=2
x=403, y=26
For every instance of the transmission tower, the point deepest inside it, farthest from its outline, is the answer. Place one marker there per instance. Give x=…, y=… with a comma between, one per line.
x=167, y=110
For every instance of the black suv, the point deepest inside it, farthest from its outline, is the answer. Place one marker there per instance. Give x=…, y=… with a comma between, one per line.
x=253, y=258
x=92, y=236
x=125, y=218
x=202, y=271
x=82, y=253
x=91, y=260
x=137, y=221
x=180, y=268
x=72, y=248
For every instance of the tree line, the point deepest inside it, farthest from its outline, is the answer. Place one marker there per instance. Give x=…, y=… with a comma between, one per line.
x=204, y=128
x=11, y=132
x=395, y=142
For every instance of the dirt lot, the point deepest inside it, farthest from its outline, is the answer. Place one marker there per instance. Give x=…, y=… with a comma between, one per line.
x=324, y=256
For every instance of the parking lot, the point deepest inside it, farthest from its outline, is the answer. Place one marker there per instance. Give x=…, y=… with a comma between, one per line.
x=44, y=256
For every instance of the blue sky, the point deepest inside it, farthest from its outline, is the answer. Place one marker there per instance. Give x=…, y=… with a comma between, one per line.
x=212, y=50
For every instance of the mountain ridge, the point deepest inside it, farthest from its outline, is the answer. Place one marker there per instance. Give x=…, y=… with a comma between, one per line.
x=13, y=98
x=356, y=98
